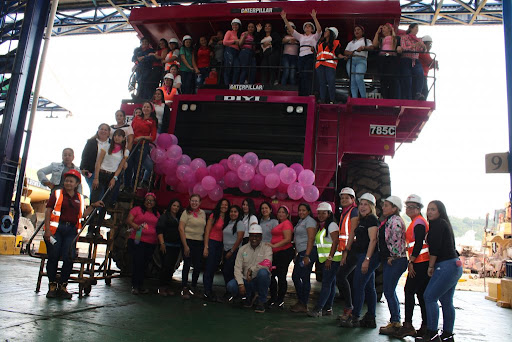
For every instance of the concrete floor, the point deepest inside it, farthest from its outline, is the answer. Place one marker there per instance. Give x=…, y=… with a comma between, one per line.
x=113, y=314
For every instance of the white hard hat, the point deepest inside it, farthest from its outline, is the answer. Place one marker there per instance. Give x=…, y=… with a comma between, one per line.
x=169, y=75
x=255, y=229
x=186, y=37
x=174, y=40
x=308, y=23
x=369, y=197
x=348, y=191
x=237, y=21
x=395, y=200
x=324, y=206
x=414, y=199
x=426, y=38
x=334, y=30
x=291, y=24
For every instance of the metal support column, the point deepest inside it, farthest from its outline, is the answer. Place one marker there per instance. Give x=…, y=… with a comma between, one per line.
x=20, y=88
x=507, y=26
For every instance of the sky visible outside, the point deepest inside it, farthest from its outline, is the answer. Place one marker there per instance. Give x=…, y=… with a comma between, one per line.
x=89, y=75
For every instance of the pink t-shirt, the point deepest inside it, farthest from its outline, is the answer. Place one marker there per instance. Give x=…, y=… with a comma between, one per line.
x=216, y=231
x=290, y=49
x=149, y=234
x=278, y=236
x=387, y=44
x=248, y=42
x=229, y=39
x=310, y=41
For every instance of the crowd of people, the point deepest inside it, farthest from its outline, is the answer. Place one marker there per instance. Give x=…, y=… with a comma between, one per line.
x=236, y=56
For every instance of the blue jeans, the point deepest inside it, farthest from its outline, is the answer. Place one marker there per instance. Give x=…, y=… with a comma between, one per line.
x=441, y=288
x=290, y=68
x=358, y=65
x=89, y=182
x=326, y=79
x=259, y=284
x=231, y=63
x=212, y=263
x=203, y=74
x=391, y=275
x=364, y=285
x=328, y=291
x=131, y=169
x=301, y=276
x=305, y=66
x=64, y=235
x=188, y=82
x=248, y=62
x=228, y=268
x=411, y=78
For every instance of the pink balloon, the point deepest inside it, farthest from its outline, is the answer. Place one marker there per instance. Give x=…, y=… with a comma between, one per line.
x=295, y=191
x=182, y=188
x=282, y=187
x=306, y=177
x=272, y=181
x=311, y=193
x=201, y=173
x=171, y=180
x=198, y=189
x=297, y=167
x=169, y=164
x=245, y=172
x=265, y=167
x=189, y=180
x=258, y=182
x=184, y=160
x=208, y=183
x=288, y=175
x=222, y=184
x=197, y=163
x=217, y=171
x=174, y=152
x=245, y=187
x=251, y=158
x=234, y=161
x=231, y=179
x=174, y=139
x=281, y=196
x=182, y=171
x=278, y=168
x=216, y=193
x=269, y=192
x=224, y=163
x=157, y=155
x=164, y=140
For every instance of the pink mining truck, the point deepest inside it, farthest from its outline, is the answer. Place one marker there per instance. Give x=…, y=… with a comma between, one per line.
x=344, y=144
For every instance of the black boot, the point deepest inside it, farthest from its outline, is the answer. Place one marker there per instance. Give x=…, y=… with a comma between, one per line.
x=430, y=336
x=447, y=337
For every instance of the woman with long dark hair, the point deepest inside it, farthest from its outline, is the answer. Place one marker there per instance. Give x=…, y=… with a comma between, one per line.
x=247, y=55
x=162, y=111
x=357, y=49
x=203, y=56
x=290, y=57
x=121, y=124
x=91, y=151
x=328, y=49
x=411, y=71
x=267, y=221
x=386, y=40
x=192, y=226
x=249, y=216
x=232, y=236
x=168, y=235
x=213, y=246
x=231, y=52
x=270, y=44
x=445, y=270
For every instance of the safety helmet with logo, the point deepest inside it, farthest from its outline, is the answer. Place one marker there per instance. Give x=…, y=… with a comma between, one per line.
x=255, y=229
x=348, y=191
x=333, y=30
x=369, y=197
x=427, y=39
x=324, y=206
x=169, y=75
x=236, y=21
x=186, y=37
x=174, y=40
x=414, y=199
x=395, y=200
x=74, y=173
x=308, y=23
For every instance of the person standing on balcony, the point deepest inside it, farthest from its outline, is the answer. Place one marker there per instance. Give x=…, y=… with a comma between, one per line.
x=357, y=49
x=203, y=56
x=290, y=57
x=326, y=63
x=307, y=42
x=231, y=52
x=247, y=56
x=270, y=44
x=168, y=89
x=188, y=67
x=143, y=65
x=121, y=124
x=157, y=70
x=411, y=72
x=427, y=64
x=173, y=57
x=388, y=62
x=217, y=45
x=58, y=170
x=92, y=150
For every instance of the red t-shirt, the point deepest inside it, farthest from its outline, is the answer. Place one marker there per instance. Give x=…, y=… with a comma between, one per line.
x=203, y=57
x=139, y=217
x=216, y=231
x=70, y=207
x=142, y=127
x=278, y=236
x=426, y=62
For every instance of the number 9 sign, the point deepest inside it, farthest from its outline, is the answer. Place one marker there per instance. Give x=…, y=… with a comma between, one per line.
x=496, y=163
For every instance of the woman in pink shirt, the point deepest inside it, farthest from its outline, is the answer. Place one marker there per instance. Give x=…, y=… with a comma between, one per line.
x=143, y=240
x=231, y=51
x=388, y=61
x=246, y=57
x=290, y=57
x=284, y=253
x=213, y=247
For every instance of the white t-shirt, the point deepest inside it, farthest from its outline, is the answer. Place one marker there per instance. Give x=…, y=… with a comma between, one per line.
x=353, y=46
x=159, y=111
x=332, y=228
x=177, y=81
x=111, y=161
x=102, y=145
x=127, y=128
x=249, y=222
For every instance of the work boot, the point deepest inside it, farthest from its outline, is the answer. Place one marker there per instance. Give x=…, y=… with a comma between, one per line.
x=447, y=337
x=299, y=307
x=430, y=336
x=406, y=330
x=52, y=290
x=327, y=312
x=185, y=293
x=352, y=322
x=422, y=330
x=368, y=321
x=315, y=313
x=347, y=313
x=390, y=329
x=63, y=291
x=260, y=308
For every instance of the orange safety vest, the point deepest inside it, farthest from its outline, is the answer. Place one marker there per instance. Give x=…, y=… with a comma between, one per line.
x=410, y=239
x=168, y=65
x=168, y=97
x=57, y=208
x=345, y=228
x=327, y=54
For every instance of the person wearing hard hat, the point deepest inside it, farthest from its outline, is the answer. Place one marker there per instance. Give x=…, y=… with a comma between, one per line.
x=329, y=49
x=168, y=90
x=417, y=279
x=231, y=52
x=365, y=247
x=252, y=270
x=427, y=63
x=329, y=257
x=173, y=57
x=357, y=49
x=392, y=250
x=64, y=215
x=188, y=67
x=290, y=56
x=348, y=222
x=307, y=42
